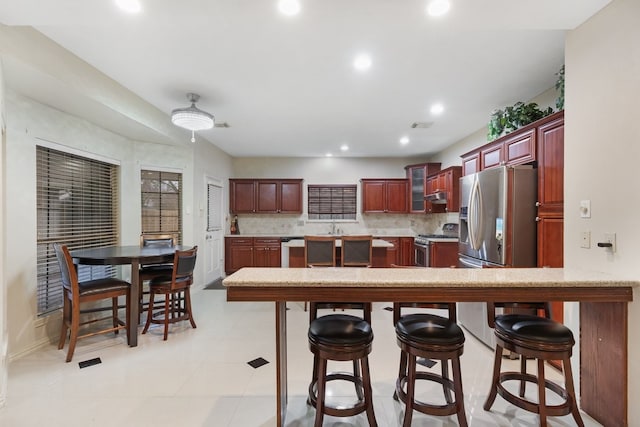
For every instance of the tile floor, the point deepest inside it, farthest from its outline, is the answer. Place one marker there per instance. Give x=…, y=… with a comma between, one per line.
x=200, y=377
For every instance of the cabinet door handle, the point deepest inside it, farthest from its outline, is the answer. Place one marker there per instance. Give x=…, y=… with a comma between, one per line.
x=538, y=219
x=538, y=203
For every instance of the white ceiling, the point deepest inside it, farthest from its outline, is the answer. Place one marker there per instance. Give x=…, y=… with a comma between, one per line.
x=286, y=86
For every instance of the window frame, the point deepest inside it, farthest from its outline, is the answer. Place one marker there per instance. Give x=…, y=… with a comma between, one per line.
x=342, y=200
x=162, y=229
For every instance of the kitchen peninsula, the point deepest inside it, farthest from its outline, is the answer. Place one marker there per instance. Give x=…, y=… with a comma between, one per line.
x=603, y=311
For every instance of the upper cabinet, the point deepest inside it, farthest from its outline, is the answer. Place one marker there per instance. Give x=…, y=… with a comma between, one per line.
x=384, y=195
x=265, y=196
x=516, y=148
x=443, y=191
x=551, y=165
x=417, y=176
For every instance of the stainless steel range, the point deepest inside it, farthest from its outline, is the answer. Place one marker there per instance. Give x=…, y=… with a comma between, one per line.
x=422, y=242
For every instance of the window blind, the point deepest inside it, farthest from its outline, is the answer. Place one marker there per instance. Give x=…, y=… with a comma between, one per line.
x=161, y=203
x=331, y=201
x=77, y=205
x=214, y=211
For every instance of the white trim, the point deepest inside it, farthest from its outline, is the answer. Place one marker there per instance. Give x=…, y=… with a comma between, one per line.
x=142, y=167
x=66, y=149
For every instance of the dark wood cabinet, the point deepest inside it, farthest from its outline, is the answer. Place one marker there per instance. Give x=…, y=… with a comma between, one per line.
x=242, y=195
x=407, y=256
x=417, y=175
x=551, y=165
x=471, y=163
x=384, y=195
x=447, y=181
x=266, y=252
x=251, y=252
x=238, y=253
x=516, y=148
x=492, y=156
x=394, y=254
x=520, y=148
x=402, y=251
x=265, y=196
x=443, y=254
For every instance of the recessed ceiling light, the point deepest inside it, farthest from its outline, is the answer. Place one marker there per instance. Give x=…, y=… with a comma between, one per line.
x=362, y=62
x=438, y=7
x=130, y=6
x=289, y=7
x=437, y=108
x=344, y=147
x=329, y=155
x=404, y=140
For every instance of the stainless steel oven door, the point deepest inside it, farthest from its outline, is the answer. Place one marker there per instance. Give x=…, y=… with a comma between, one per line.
x=421, y=254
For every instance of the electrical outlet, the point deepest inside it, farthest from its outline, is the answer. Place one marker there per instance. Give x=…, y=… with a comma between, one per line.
x=585, y=239
x=611, y=238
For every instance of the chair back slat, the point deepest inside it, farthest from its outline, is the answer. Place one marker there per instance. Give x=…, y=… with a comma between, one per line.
x=68, y=274
x=157, y=240
x=356, y=251
x=185, y=262
x=319, y=251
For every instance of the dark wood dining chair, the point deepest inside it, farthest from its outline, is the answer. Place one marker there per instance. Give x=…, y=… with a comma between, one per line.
x=76, y=293
x=176, y=290
x=149, y=271
x=356, y=251
x=319, y=251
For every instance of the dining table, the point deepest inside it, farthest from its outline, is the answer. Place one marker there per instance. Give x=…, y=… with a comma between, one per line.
x=127, y=255
x=603, y=300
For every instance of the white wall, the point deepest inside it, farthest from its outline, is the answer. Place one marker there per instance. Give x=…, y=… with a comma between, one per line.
x=602, y=148
x=3, y=290
x=29, y=122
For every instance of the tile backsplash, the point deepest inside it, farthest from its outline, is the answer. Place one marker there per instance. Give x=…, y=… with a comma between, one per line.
x=375, y=224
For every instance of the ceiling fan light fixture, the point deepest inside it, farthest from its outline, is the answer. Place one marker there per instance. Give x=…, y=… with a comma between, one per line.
x=192, y=118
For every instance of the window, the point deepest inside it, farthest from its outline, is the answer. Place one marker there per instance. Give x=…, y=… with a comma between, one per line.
x=331, y=201
x=77, y=205
x=161, y=203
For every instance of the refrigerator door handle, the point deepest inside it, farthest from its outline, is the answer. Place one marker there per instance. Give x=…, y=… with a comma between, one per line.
x=475, y=215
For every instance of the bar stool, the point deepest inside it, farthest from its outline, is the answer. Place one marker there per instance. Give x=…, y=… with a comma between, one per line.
x=431, y=337
x=341, y=337
x=542, y=339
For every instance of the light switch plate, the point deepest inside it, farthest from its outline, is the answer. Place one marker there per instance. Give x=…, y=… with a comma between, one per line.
x=585, y=208
x=585, y=239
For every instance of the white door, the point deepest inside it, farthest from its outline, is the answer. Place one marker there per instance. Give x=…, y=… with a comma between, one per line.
x=213, y=236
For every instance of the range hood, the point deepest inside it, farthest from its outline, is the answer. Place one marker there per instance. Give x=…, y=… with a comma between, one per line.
x=438, y=197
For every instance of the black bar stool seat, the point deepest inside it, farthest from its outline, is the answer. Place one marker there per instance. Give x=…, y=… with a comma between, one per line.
x=431, y=337
x=542, y=339
x=341, y=337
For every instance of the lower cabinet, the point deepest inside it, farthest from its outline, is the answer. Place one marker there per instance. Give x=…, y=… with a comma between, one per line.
x=250, y=252
x=400, y=254
x=266, y=252
x=443, y=254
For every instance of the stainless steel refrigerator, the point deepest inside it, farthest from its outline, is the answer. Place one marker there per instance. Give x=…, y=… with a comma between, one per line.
x=497, y=229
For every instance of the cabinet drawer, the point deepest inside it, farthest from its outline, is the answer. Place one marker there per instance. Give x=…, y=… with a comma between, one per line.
x=234, y=241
